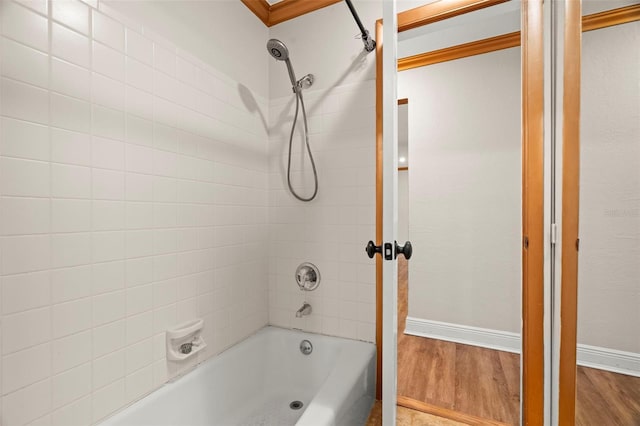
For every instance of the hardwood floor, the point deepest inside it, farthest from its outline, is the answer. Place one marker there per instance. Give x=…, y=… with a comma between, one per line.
x=606, y=398
x=485, y=383
x=480, y=382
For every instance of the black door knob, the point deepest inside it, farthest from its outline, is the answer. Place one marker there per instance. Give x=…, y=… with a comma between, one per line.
x=372, y=249
x=406, y=250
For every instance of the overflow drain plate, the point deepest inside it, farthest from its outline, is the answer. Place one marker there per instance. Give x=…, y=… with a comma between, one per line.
x=296, y=405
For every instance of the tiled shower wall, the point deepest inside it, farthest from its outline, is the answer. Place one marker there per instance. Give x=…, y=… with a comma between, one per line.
x=133, y=184
x=332, y=230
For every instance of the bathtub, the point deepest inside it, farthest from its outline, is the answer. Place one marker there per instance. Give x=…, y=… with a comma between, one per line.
x=255, y=381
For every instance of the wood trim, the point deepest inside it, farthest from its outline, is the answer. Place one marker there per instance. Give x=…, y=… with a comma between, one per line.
x=379, y=200
x=439, y=11
x=260, y=8
x=610, y=18
x=532, y=213
x=505, y=41
x=403, y=101
x=478, y=47
x=570, y=206
x=467, y=419
x=284, y=10
x=289, y=9
x=403, y=168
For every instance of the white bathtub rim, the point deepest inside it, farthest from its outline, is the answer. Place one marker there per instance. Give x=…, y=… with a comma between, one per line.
x=158, y=392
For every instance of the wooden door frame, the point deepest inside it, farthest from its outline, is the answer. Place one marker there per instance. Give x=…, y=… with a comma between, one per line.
x=532, y=186
x=574, y=25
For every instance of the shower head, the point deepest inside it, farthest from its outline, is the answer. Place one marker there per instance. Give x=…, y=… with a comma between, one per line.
x=279, y=51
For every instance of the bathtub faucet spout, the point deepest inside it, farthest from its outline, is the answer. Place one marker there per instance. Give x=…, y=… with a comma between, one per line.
x=304, y=310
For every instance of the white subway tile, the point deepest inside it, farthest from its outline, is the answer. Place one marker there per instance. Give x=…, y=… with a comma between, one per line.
x=25, y=329
x=108, y=369
x=108, y=338
x=25, y=367
x=139, y=383
x=139, y=327
x=165, y=138
x=139, y=243
x=70, y=147
x=70, y=46
x=139, y=215
x=108, y=246
x=160, y=373
x=139, y=47
x=71, y=351
x=164, y=59
x=108, y=399
x=70, y=79
x=70, y=249
x=139, y=159
x=107, y=277
x=185, y=71
x=70, y=215
x=164, y=163
x=109, y=307
x=25, y=291
x=139, y=188
x=108, y=123
x=24, y=26
x=77, y=413
x=139, y=271
x=37, y=397
x=108, y=215
x=108, y=92
x=107, y=153
x=140, y=104
x=23, y=140
x=139, y=131
x=139, y=355
x=24, y=215
x=24, y=63
x=165, y=267
x=165, y=216
x=108, y=61
x=71, y=317
x=164, y=292
x=70, y=181
x=139, y=75
x=108, y=31
x=70, y=113
x=139, y=299
x=70, y=283
x=108, y=185
x=24, y=177
x=25, y=254
x=24, y=101
x=72, y=13
x=71, y=385
x=164, y=318
x=165, y=190
x=36, y=5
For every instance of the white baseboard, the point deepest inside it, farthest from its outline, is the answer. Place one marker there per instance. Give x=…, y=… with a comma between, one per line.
x=588, y=356
x=484, y=337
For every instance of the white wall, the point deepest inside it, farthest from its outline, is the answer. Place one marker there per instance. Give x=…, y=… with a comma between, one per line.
x=464, y=190
x=609, y=271
x=133, y=196
x=403, y=206
x=332, y=230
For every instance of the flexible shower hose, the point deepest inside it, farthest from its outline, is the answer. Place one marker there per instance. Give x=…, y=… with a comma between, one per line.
x=299, y=101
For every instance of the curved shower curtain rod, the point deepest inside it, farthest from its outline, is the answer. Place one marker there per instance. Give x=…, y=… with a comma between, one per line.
x=369, y=42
